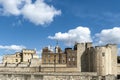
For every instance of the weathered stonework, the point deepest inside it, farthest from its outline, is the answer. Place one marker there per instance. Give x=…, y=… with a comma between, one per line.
x=84, y=62
x=53, y=76
x=106, y=60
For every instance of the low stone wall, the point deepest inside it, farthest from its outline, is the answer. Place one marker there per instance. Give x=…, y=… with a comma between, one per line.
x=52, y=65
x=67, y=78
x=53, y=76
x=35, y=62
x=25, y=68
x=11, y=65
x=2, y=65
x=23, y=65
x=58, y=69
x=19, y=69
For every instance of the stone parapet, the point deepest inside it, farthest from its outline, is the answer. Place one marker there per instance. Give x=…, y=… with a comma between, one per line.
x=58, y=69
x=52, y=65
x=35, y=62
x=23, y=65
x=53, y=76
x=19, y=69
x=54, y=73
x=50, y=76
x=11, y=65
x=2, y=65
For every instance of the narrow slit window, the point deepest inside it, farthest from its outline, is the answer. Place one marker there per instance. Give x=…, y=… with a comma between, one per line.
x=103, y=54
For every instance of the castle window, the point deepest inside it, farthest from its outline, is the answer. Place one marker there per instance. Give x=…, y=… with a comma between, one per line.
x=63, y=61
x=28, y=60
x=49, y=61
x=74, y=63
x=103, y=54
x=69, y=59
x=73, y=59
x=69, y=63
x=44, y=61
x=16, y=60
x=62, y=56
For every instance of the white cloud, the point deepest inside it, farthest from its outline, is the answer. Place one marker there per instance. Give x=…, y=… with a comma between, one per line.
x=109, y=36
x=10, y=6
x=12, y=47
x=38, y=12
x=79, y=34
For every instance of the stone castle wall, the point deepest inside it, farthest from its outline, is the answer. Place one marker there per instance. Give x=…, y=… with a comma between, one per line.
x=20, y=69
x=53, y=76
x=53, y=65
x=101, y=59
x=58, y=69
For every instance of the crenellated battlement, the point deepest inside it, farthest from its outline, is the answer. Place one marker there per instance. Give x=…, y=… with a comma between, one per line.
x=29, y=51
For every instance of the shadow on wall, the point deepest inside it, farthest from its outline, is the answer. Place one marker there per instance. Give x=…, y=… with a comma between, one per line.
x=87, y=60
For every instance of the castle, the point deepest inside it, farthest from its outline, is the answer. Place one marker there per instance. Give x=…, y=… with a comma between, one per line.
x=24, y=56
x=83, y=57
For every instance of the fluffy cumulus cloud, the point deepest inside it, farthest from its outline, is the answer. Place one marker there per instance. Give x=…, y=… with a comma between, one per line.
x=12, y=47
x=10, y=6
x=79, y=34
x=38, y=12
x=109, y=36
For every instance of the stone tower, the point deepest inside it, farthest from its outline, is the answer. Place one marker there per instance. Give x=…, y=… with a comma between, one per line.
x=27, y=55
x=81, y=58
x=106, y=59
x=80, y=47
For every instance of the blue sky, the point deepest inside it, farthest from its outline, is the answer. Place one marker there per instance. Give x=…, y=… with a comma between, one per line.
x=34, y=24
